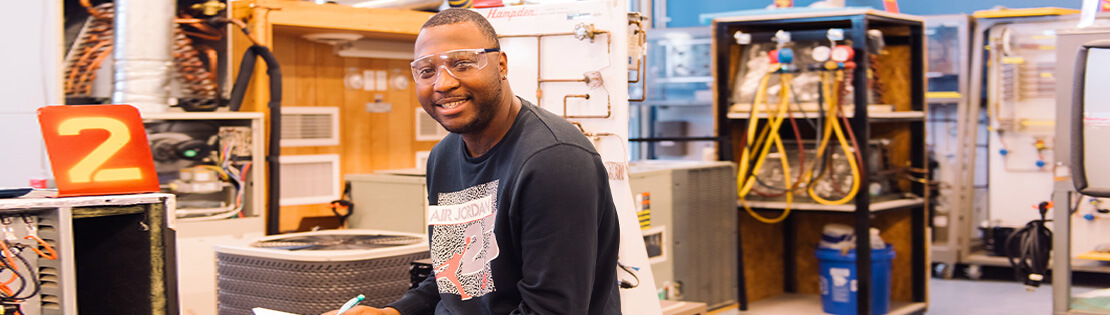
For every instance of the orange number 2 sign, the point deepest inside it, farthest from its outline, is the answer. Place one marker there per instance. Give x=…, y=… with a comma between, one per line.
x=98, y=150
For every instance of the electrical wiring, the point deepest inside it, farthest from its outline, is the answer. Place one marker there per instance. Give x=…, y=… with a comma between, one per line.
x=49, y=254
x=220, y=171
x=13, y=252
x=231, y=211
x=32, y=233
x=1030, y=248
x=624, y=284
x=24, y=279
x=229, y=172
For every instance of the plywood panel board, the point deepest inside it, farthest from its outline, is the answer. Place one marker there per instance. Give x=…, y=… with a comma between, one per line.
x=894, y=228
x=893, y=71
x=762, y=248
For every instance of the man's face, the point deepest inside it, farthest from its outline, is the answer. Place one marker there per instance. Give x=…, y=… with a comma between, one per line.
x=462, y=105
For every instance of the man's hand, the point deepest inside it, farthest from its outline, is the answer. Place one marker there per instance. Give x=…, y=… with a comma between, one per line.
x=366, y=310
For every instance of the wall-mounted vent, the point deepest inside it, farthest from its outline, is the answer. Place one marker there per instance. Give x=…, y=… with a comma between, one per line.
x=427, y=128
x=309, y=179
x=422, y=159
x=309, y=126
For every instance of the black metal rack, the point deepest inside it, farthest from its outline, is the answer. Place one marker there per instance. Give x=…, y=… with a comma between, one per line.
x=898, y=30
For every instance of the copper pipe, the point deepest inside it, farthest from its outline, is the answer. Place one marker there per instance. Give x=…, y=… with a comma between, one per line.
x=640, y=64
x=246, y=31
x=539, y=55
x=643, y=95
x=567, y=97
x=643, y=43
x=202, y=35
x=608, y=107
x=564, y=80
x=639, y=70
x=92, y=10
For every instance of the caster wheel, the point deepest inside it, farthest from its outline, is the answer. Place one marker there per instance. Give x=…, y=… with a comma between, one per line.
x=974, y=272
x=943, y=271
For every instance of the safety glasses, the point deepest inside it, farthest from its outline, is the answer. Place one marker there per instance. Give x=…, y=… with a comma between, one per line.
x=458, y=63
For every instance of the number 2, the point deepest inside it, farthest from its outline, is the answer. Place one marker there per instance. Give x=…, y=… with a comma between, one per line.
x=86, y=170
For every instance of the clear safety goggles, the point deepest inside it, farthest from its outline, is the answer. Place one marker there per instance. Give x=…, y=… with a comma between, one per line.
x=458, y=63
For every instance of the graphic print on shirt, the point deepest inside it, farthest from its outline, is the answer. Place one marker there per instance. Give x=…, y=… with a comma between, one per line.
x=463, y=243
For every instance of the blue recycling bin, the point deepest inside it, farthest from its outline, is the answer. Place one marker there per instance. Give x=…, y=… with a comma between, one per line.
x=838, y=280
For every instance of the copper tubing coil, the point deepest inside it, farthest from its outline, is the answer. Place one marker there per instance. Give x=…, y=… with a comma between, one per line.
x=98, y=11
x=95, y=46
x=197, y=77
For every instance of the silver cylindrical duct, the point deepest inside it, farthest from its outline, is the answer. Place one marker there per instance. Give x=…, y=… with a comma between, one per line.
x=143, y=60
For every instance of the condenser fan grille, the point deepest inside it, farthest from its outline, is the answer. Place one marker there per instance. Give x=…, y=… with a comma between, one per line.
x=337, y=242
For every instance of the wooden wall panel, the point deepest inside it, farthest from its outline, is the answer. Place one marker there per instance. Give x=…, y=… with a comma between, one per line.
x=894, y=227
x=762, y=247
x=313, y=75
x=894, y=77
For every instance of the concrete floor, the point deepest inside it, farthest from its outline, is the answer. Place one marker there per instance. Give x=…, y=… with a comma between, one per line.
x=989, y=297
x=979, y=297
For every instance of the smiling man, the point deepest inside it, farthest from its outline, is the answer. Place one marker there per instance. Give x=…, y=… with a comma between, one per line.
x=521, y=218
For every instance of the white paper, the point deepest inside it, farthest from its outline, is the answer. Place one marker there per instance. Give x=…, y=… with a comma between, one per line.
x=266, y=311
x=1090, y=9
x=368, y=80
x=381, y=82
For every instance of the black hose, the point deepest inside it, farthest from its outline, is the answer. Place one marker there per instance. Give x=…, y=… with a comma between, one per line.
x=1030, y=248
x=246, y=68
x=343, y=202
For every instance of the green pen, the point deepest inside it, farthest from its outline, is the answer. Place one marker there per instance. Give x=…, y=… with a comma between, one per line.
x=351, y=303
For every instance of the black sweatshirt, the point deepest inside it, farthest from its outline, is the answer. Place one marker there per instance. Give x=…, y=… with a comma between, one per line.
x=527, y=228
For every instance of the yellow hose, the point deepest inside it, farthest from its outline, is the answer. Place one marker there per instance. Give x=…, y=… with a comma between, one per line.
x=832, y=126
x=753, y=120
x=744, y=182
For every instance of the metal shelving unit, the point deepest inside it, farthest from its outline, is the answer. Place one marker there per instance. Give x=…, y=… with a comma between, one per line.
x=878, y=206
x=891, y=117
x=984, y=81
x=949, y=50
x=908, y=119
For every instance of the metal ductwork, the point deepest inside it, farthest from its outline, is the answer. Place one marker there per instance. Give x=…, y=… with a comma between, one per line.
x=143, y=59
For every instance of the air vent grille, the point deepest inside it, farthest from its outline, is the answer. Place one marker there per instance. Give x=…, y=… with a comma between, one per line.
x=309, y=126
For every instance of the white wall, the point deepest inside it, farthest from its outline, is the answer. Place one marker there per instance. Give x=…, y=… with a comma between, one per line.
x=30, y=64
